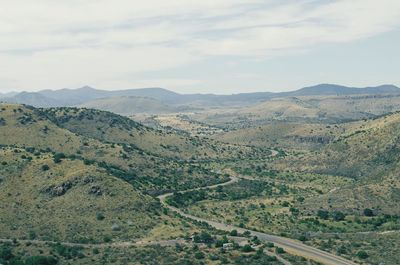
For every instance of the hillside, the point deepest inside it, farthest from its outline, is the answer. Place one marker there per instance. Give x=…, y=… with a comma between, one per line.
x=366, y=151
x=146, y=158
x=40, y=201
x=306, y=109
x=60, y=185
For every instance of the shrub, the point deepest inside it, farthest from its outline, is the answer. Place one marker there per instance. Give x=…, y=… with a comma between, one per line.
x=247, y=248
x=279, y=250
x=362, y=254
x=100, y=216
x=338, y=216
x=323, y=214
x=45, y=167
x=41, y=260
x=58, y=157
x=199, y=255
x=302, y=238
x=6, y=253
x=368, y=212
x=233, y=233
x=285, y=204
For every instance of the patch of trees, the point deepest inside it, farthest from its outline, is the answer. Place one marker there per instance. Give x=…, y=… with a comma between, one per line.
x=336, y=215
x=68, y=252
x=240, y=190
x=9, y=257
x=258, y=258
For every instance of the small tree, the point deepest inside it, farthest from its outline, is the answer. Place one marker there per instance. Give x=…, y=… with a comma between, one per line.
x=199, y=255
x=247, y=248
x=338, y=216
x=362, y=254
x=323, y=214
x=58, y=157
x=368, y=212
x=233, y=233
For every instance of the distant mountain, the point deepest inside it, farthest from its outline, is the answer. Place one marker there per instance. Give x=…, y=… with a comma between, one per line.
x=32, y=98
x=71, y=97
x=330, y=89
x=130, y=105
x=168, y=100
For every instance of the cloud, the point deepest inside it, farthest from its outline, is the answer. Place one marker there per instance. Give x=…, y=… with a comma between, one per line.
x=62, y=43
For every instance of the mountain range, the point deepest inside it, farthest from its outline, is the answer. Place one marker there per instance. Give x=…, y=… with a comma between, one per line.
x=160, y=100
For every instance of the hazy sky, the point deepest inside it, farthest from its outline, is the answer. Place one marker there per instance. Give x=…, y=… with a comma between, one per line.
x=216, y=46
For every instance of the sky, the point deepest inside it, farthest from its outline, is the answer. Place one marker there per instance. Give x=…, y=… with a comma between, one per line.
x=202, y=46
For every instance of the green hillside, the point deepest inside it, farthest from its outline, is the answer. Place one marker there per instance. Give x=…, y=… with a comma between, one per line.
x=69, y=201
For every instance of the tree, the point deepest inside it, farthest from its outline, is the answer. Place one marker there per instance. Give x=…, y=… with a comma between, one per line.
x=362, y=254
x=45, y=167
x=233, y=233
x=247, y=248
x=338, y=216
x=57, y=157
x=368, y=212
x=323, y=214
x=279, y=250
x=41, y=260
x=199, y=255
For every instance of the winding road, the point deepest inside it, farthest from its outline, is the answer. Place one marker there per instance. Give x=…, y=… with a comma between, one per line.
x=289, y=245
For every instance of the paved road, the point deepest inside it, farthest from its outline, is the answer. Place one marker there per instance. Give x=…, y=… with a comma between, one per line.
x=289, y=245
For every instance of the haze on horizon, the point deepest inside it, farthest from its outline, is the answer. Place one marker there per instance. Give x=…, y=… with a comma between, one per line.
x=218, y=46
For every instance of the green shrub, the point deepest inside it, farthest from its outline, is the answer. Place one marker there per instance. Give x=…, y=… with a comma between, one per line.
x=41, y=260
x=247, y=248
x=233, y=233
x=362, y=254
x=100, y=216
x=323, y=214
x=57, y=158
x=368, y=212
x=199, y=255
x=279, y=250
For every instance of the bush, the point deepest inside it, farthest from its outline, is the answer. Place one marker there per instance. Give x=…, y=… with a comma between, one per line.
x=45, y=167
x=199, y=255
x=279, y=250
x=362, y=254
x=302, y=238
x=203, y=237
x=6, y=253
x=58, y=157
x=368, y=212
x=338, y=216
x=41, y=260
x=233, y=233
x=285, y=204
x=323, y=214
x=100, y=216
x=247, y=248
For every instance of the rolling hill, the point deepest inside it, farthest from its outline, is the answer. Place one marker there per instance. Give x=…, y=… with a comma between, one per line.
x=306, y=109
x=64, y=179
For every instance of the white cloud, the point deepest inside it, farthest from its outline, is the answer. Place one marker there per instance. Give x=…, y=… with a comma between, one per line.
x=47, y=43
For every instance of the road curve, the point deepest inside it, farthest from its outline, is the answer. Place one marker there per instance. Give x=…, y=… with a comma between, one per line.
x=289, y=245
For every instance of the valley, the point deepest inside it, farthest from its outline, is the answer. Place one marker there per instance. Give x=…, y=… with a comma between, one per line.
x=302, y=178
